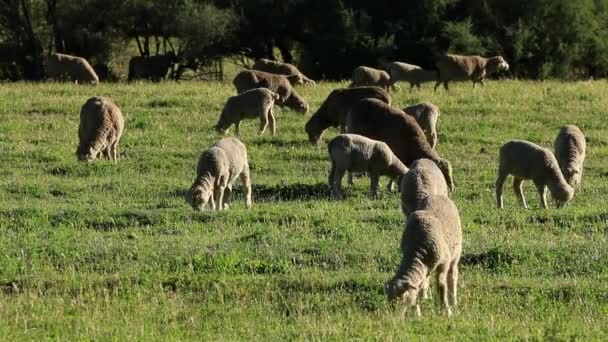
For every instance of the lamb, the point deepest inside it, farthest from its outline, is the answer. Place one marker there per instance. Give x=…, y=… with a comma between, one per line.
x=366, y=76
x=250, y=104
x=279, y=68
x=377, y=120
x=100, y=130
x=249, y=79
x=422, y=180
x=426, y=114
x=410, y=73
x=570, y=149
x=356, y=153
x=63, y=67
x=218, y=167
x=334, y=109
x=525, y=160
x=462, y=68
x=431, y=243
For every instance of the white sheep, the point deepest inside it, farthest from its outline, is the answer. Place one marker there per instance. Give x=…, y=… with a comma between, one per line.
x=218, y=167
x=525, y=160
x=570, y=151
x=463, y=68
x=356, y=153
x=65, y=67
x=426, y=114
x=250, y=104
x=366, y=76
x=101, y=127
x=431, y=243
x=410, y=73
x=422, y=180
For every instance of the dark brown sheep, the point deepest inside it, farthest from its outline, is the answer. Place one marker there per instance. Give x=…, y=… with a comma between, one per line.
x=463, y=68
x=279, y=68
x=250, y=79
x=336, y=106
x=377, y=120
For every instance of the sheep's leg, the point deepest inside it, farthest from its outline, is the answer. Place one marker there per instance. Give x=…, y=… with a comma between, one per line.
x=481, y=82
x=227, y=196
x=115, y=150
x=373, y=190
x=437, y=84
x=337, y=183
x=425, y=288
x=246, y=180
x=442, y=275
x=342, y=129
x=500, y=181
x=390, y=186
x=542, y=192
x=519, y=193
x=350, y=179
x=237, y=128
x=330, y=179
x=474, y=85
x=263, y=123
x=453, y=282
x=273, y=122
x=218, y=194
x=445, y=85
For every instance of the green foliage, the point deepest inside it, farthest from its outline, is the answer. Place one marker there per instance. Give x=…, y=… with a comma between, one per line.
x=462, y=38
x=103, y=251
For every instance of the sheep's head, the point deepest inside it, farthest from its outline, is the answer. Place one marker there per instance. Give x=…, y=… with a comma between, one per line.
x=563, y=194
x=313, y=130
x=497, y=63
x=397, y=290
x=446, y=169
x=572, y=176
x=295, y=79
x=198, y=196
x=296, y=102
x=87, y=154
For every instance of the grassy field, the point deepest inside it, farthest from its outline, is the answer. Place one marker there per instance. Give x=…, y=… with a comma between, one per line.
x=113, y=252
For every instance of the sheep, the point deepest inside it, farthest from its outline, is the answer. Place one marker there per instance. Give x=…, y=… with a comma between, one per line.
x=154, y=68
x=100, y=130
x=366, y=76
x=423, y=179
x=525, y=160
x=249, y=79
x=570, y=150
x=356, y=153
x=217, y=168
x=250, y=104
x=426, y=114
x=279, y=68
x=63, y=67
x=336, y=106
x=377, y=120
x=462, y=68
x=431, y=243
x=410, y=73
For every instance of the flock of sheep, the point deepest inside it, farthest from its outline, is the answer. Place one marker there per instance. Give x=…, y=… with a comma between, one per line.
x=376, y=138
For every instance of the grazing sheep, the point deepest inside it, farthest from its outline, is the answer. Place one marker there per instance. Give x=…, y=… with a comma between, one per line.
x=426, y=114
x=356, y=153
x=100, y=130
x=525, y=160
x=70, y=68
x=377, y=120
x=570, y=150
x=334, y=109
x=366, y=76
x=422, y=180
x=250, y=104
x=463, y=68
x=431, y=243
x=279, y=68
x=410, y=73
x=218, y=167
x=154, y=68
x=280, y=84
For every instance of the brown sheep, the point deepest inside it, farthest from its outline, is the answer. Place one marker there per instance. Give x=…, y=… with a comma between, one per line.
x=100, y=130
x=334, y=109
x=70, y=68
x=366, y=76
x=463, y=68
x=279, y=68
x=250, y=79
x=154, y=68
x=377, y=120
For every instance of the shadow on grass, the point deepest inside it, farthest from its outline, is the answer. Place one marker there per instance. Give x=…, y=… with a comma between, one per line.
x=274, y=193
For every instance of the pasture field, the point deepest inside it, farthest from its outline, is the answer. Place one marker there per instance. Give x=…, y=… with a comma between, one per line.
x=112, y=252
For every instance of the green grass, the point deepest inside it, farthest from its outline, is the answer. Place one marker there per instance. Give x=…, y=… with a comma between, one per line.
x=113, y=252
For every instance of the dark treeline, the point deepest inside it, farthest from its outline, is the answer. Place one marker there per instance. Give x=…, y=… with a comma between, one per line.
x=327, y=38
